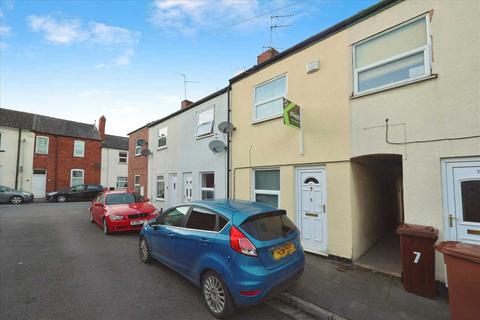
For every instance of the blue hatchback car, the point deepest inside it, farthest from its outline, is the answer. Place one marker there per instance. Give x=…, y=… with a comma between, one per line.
x=238, y=252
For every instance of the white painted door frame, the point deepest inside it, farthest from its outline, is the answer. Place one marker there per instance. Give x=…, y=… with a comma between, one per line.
x=320, y=247
x=39, y=190
x=454, y=171
x=172, y=189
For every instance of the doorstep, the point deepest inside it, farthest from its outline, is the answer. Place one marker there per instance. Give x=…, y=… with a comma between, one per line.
x=352, y=292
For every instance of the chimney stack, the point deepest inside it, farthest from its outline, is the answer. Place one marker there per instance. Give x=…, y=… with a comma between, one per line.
x=101, y=126
x=264, y=56
x=185, y=104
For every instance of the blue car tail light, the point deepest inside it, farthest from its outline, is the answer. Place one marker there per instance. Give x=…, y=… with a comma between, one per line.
x=240, y=243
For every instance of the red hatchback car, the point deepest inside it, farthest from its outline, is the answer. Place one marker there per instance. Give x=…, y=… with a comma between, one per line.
x=121, y=211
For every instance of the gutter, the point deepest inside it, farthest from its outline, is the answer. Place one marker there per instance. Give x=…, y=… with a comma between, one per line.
x=18, y=157
x=229, y=144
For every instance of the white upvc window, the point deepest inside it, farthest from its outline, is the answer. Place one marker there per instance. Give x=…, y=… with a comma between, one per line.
x=162, y=138
x=122, y=157
x=160, y=187
x=122, y=182
x=2, y=145
x=138, y=147
x=137, y=187
x=268, y=98
x=205, y=120
x=41, y=145
x=77, y=177
x=208, y=185
x=393, y=57
x=266, y=186
x=79, y=148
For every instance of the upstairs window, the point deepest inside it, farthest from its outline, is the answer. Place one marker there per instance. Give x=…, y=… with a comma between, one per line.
x=162, y=138
x=392, y=57
x=41, y=145
x=79, y=148
x=268, y=101
x=2, y=147
x=138, y=147
x=122, y=156
x=205, y=122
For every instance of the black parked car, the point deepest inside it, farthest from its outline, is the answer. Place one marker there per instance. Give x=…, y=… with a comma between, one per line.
x=83, y=192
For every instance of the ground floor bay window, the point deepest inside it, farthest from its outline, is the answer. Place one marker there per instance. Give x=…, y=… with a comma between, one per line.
x=266, y=186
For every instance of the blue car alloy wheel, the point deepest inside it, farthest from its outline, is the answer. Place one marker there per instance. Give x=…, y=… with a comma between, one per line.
x=238, y=252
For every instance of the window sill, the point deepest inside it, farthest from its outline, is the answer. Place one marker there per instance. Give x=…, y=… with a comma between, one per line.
x=161, y=148
x=160, y=199
x=267, y=119
x=123, y=163
x=204, y=136
x=78, y=156
x=2, y=150
x=41, y=153
x=403, y=84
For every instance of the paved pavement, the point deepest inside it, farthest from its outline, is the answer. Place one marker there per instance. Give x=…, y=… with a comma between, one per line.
x=55, y=264
x=359, y=294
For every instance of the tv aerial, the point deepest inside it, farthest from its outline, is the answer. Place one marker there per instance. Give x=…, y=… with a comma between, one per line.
x=275, y=25
x=185, y=82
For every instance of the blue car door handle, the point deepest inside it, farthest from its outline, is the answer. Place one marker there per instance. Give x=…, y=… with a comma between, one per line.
x=204, y=241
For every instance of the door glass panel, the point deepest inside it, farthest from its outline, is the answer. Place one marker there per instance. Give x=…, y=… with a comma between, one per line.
x=471, y=200
x=311, y=179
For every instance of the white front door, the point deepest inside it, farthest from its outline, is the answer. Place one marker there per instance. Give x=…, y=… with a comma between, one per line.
x=39, y=183
x=172, y=190
x=187, y=187
x=311, y=209
x=462, y=185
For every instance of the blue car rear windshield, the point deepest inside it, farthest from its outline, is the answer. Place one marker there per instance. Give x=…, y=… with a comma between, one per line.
x=123, y=198
x=269, y=226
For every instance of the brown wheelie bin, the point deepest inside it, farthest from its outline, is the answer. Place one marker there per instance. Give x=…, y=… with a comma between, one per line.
x=418, y=258
x=463, y=274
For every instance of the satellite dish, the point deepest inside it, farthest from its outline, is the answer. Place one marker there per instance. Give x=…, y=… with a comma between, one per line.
x=145, y=152
x=141, y=142
x=226, y=127
x=217, y=146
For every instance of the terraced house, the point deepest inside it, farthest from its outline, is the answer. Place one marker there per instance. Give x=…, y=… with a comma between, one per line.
x=390, y=130
x=182, y=165
x=40, y=154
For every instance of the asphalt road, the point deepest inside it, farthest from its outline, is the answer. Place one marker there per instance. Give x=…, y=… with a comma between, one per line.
x=55, y=264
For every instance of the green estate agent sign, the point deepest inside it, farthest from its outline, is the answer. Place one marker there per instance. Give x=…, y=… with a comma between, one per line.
x=291, y=114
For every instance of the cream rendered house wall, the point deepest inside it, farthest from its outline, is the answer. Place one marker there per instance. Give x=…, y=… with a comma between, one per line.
x=8, y=158
x=112, y=168
x=323, y=97
x=447, y=106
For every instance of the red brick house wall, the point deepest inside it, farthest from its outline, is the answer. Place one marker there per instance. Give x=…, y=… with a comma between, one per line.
x=137, y=165
x=60, y=160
